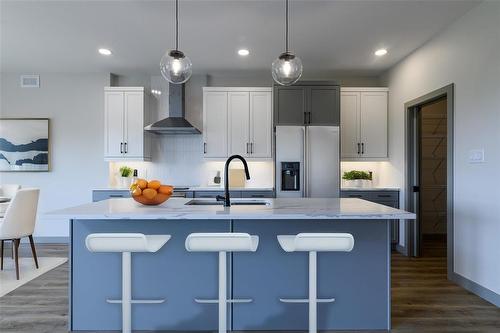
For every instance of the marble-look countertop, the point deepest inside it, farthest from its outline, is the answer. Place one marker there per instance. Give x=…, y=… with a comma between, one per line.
x=282, y=208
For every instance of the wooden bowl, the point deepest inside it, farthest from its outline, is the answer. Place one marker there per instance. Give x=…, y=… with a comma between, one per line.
x=157, y=200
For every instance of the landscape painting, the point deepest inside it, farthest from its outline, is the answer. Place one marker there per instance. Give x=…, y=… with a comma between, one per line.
x=24, y=144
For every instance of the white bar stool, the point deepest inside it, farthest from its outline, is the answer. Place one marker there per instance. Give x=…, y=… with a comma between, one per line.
x=313, y=243
x=222, y=243
x=126, y=243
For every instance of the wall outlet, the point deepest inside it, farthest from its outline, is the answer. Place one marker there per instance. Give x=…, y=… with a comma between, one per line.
x=476, y=156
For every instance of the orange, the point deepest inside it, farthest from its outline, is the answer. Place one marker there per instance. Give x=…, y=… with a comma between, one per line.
x=154, y=184
x=166, y=189
x=160, y=198
x=149, y=193
x=142, y=183
x=136, y=191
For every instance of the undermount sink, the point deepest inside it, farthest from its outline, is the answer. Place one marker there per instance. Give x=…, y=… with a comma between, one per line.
x=236, y=202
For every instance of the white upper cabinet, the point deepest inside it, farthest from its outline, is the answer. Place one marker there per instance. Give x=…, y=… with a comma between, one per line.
x=363, y=123
x=237, y=121
x=261, y=124
x=125, y=115
x=215, y=123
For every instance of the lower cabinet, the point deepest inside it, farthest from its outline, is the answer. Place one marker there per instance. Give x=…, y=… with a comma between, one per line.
x=387, y=198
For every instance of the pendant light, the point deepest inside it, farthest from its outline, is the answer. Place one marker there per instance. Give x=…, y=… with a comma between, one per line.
x=175, y=67
x=287, y=68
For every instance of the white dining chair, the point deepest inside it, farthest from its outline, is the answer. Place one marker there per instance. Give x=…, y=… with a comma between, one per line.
x=19, y=222
x=7, y=191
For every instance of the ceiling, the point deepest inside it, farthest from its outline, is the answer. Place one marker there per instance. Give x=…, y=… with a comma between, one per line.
x=63, y=36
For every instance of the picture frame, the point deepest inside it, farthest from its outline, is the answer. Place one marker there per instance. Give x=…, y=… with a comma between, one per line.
x=24, y=144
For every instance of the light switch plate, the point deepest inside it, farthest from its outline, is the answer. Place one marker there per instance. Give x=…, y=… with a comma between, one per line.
x=476, y=156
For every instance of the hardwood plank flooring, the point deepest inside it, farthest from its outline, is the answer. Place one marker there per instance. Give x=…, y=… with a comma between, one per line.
x=423, y=300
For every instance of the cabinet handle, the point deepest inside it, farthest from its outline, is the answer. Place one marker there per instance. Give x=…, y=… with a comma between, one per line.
x=362, y=148
x=204, y=147
x=359, y=148
x=125, y=145
x=247, y=147
x=121, y=147
x=309, y=117
x=251, y=148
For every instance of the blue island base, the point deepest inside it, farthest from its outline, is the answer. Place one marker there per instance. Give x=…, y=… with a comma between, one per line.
x=359, y=280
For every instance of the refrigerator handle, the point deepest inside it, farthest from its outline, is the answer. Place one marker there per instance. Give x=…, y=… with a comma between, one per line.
x=306, y=162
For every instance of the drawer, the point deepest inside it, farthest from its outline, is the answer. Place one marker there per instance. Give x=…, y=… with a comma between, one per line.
x=257, y=194
x=213, y=194
x=104, y=195
x=356, y=194
x=385, y=196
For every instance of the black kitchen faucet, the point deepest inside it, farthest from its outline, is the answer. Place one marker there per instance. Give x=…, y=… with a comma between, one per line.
x=227, y=201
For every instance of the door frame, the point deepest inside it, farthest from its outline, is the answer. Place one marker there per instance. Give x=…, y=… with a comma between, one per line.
x=412, y=247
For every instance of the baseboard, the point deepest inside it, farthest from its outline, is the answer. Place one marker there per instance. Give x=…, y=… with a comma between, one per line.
x=401, y=249
x=477, y=289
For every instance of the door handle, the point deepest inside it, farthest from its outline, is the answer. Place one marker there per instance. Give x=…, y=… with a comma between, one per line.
x=204, y=147
x=359, y=148
x=121, y=147
x=362, y=148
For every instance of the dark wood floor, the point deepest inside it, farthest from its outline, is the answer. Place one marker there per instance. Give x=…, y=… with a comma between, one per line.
x=423, y=300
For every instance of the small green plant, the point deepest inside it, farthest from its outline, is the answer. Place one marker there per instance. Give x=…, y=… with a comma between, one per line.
x=125, y=171
x=355, y=174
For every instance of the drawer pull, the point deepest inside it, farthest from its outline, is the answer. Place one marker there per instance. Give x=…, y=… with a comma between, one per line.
x=355, y=196
x=384, y=195
x=116, y=195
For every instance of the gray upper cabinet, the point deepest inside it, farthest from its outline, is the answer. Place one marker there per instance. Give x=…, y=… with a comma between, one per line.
x=307, y=104
x=289, y=105
x=324, y=106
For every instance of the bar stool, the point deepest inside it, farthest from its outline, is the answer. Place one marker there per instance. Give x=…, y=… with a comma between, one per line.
x=313, y=243
x=222, y=243
x=126, y=243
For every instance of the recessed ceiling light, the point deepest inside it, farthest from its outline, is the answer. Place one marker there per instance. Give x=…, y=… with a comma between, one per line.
x=105, y=52
x=381, y=52
x=243, y=52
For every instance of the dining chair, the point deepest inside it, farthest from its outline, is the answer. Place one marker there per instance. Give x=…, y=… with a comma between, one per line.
x=8, y=191
x=19, y=222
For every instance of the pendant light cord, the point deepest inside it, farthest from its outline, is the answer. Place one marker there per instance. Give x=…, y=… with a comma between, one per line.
x=177, y=25
x=286, y=26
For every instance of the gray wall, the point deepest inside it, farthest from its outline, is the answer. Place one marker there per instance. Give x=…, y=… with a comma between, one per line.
x=467, y=54
x=75, y=105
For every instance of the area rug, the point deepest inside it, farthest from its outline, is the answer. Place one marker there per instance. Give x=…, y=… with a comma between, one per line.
x=27, y=271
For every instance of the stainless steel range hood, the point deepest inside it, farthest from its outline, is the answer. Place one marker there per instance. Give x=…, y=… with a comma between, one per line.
x=175, y=123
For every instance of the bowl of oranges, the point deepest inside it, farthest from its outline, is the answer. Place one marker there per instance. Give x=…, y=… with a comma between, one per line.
x=150, y=193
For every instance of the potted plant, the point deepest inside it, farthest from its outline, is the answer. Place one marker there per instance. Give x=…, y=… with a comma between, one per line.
x=356, y=178
x=125, y=176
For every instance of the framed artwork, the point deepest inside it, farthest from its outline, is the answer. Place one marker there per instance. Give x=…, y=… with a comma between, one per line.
x=24, y=144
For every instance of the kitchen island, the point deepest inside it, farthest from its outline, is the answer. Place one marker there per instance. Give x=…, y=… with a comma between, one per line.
x=359, y=280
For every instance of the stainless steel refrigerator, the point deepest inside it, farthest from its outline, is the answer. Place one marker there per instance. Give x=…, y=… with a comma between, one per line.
x=307, y=161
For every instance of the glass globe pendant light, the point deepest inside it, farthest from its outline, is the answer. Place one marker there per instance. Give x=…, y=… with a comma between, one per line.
x=287, y=68
x=175, y=67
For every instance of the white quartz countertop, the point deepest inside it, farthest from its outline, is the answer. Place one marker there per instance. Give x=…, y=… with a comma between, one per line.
x=282, y=208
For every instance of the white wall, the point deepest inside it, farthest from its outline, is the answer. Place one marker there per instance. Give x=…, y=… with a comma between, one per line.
x=74, y=104
x=467, y=54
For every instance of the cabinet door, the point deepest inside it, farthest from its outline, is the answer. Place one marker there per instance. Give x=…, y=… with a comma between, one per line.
x=261, y=120
x=114, y=118
x=349, y=125
x=215, y=124
x=134, y=125
x=373, y=124
x=290, y=105
x=324, y=106
x=239, y=122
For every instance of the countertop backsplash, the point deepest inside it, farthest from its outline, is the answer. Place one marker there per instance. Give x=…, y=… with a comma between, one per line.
x=178, y=160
